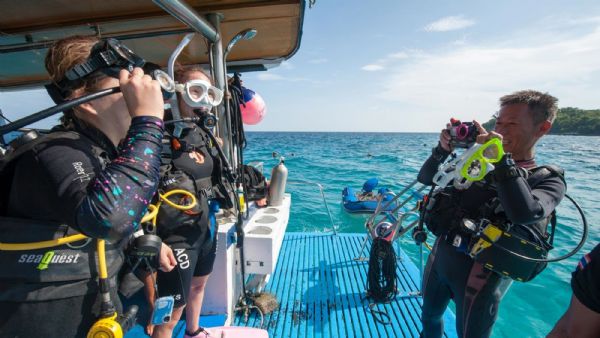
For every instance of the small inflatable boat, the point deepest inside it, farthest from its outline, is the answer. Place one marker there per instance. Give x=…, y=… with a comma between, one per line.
x=365, y=201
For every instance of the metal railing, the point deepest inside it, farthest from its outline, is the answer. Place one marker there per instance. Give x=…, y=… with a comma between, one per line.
x=333, y=226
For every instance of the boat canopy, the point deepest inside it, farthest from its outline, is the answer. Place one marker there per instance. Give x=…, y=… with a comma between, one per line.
x=27, y=28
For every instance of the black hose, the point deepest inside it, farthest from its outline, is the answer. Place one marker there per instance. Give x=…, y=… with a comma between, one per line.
x=381, y=276
x=238, y=225
x=560, y=258
x=228, y=170
x=56, y=109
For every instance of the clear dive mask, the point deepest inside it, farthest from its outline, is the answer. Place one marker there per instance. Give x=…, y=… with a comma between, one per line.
x=200, y=93
x=480, y=162
x=472, y=165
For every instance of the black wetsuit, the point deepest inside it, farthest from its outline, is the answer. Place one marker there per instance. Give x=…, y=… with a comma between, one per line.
x=64, y=180
x=585, y=281
x=451, y=274
x=189, y=234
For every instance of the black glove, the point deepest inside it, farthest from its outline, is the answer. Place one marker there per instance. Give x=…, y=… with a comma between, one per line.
x=439, y=154
x=505, y=169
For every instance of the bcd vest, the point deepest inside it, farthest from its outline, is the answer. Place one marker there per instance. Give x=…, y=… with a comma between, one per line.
x=446, y=212
x=51, y=273
x=170, y=219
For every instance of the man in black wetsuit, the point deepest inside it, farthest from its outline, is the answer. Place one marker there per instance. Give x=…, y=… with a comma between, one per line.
x=524, y=117
x=582, y=319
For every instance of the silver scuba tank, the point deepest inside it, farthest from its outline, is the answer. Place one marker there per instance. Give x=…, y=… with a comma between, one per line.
x=279, y=176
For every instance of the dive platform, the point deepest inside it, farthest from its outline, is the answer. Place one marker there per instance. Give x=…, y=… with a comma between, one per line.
x=321, y=289
x=320, y=286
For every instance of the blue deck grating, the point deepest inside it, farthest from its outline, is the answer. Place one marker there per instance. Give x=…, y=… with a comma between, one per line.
x=320, y=288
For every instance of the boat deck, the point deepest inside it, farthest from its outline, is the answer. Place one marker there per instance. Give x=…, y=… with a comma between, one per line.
x=321, y=288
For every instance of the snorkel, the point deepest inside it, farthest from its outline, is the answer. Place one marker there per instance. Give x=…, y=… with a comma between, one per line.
x=171, y=71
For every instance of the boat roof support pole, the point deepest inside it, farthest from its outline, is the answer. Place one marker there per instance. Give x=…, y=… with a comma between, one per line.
x=219, y=73
x=186, y=14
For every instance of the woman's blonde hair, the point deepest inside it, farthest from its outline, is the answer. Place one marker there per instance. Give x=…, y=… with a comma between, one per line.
x=182, y=73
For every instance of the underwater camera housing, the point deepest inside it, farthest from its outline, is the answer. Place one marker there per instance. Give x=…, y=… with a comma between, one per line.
x=462, y=134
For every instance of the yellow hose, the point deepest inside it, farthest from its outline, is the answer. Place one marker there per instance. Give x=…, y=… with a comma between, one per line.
x=150, y=216
x=165, y=198
x=102, y=270
x=42, y=244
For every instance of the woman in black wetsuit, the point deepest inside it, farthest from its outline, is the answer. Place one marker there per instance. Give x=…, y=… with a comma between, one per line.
x=97, y=173
x=193, y=159
x=523, y=119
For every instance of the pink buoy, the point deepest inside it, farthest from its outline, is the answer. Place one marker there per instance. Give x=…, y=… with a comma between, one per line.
x=253, y=108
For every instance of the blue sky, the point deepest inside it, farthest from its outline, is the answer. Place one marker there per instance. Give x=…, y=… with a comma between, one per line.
x=401, y=66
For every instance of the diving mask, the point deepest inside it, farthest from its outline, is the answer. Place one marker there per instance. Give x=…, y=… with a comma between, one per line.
x=471, y=166
x=109, y=56
x=480, y=161
x=200, y=93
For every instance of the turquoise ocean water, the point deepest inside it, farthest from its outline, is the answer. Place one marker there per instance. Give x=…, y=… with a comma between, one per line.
x=337, y=160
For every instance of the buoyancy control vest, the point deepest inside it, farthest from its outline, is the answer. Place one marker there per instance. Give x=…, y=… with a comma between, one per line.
x=52, y=273
x=446, y=208
x=468, y=218
x=193, y=148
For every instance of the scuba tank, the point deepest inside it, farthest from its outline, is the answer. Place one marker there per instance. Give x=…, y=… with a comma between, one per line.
x=279, y=176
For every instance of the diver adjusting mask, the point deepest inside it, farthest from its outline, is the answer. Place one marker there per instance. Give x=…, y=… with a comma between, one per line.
x=108, y=57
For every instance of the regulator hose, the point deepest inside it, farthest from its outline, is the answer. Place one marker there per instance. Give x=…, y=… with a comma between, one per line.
x=557, y=259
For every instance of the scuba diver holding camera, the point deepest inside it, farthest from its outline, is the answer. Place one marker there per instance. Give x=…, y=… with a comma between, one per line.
x=190, y=162
x=95, y=175
x=517, y=196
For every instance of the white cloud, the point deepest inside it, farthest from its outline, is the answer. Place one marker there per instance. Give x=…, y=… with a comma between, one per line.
x=399, y=55
x=318, y=61
x=372, y=68
x=468, y=80
x=269, y=77
x=449, y=23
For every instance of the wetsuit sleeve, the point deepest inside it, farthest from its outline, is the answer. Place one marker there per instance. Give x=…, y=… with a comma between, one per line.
x=120, y=194
x=107, y=202
x=585, y=281
x=431, y=165
x=524, y=205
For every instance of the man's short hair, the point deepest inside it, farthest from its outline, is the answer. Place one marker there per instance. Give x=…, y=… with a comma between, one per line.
x=542, y=105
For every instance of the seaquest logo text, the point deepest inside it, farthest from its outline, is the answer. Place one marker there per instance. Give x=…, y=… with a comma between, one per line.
x=48, y=258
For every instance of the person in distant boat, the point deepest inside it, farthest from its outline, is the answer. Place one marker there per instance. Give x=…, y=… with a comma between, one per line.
x=95, y=174
x=582, y=318
x=190, y=162
x=505, y=193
